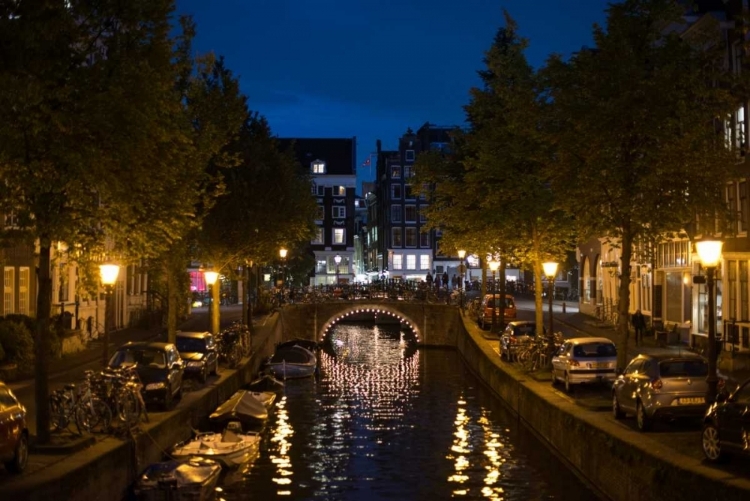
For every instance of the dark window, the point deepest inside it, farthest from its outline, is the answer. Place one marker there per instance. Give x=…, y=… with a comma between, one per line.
x=595, y=350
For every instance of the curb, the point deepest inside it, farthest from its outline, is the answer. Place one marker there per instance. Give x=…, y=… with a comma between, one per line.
x=69, y=447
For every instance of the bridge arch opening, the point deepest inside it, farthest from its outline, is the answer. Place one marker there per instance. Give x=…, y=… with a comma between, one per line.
x=372, y=313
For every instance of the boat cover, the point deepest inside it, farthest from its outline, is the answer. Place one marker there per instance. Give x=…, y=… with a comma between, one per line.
x=293, y=355
x=242, y=406
x=194, y=479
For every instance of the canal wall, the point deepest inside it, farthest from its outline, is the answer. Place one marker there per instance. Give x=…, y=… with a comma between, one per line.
x=107, y=470
x=620, y=464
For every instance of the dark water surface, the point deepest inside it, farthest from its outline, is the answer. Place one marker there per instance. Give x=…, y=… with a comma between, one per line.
x=387, y=421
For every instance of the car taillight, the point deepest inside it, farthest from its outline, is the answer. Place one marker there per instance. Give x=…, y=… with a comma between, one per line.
x=656, y=384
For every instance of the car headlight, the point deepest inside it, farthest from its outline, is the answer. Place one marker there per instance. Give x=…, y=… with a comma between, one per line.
x=155, y=386
x=195, y=364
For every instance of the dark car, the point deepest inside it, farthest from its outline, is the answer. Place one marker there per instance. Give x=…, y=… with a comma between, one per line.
x=159, y=366
x=726, y=425
x=516, y=332
x=198, y=351
x=14, y=434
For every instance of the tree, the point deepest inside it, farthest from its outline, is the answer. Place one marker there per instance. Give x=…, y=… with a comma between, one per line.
x=96, y=149
x=639, y=151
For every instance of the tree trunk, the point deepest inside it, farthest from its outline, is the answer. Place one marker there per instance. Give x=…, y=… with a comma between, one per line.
x=483, y=287
x=501, y=278
x=246, y=295
x=623, y=301
x=42, y=342
x=538, y=286
x=173, y=306
x=215, y=306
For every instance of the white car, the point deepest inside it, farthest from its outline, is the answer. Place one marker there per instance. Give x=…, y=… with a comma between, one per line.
x=585, y=360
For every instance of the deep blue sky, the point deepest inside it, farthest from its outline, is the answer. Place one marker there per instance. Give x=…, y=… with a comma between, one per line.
x=373, y=68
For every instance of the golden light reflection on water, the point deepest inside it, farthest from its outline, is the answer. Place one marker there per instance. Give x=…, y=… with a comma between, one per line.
x=280, y=445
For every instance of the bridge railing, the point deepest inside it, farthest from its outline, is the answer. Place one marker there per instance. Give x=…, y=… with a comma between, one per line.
x=387, y=290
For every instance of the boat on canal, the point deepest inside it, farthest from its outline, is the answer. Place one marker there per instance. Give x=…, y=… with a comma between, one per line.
x=265, y=382
x=292, y=362
x=248, y=407
x=307, y=344
x=193, y=480
x=230, y=448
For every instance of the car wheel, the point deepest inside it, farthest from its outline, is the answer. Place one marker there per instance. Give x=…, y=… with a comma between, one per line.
x=642, y=420
x=712, y=444
x=203, y=375
x=20, y=455
x=168, y=400
x=616, y=410
x=568, y=384
x=216, y=367
x=554, y=378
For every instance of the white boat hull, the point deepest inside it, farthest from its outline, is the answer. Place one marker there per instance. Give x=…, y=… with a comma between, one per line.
x=212, y=446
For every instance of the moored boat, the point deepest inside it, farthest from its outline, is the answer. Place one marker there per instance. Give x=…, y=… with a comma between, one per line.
x=265, y=382
x=230, y=448
x=292, y=362
x=307, y=344
x=194, y=480
x=244, y=406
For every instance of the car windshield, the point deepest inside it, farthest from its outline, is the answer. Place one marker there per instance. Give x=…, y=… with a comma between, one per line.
x=189, y=344
x=524, y=330
x=498, y=303
x=594, y=350
x=147, y=357
x=683, y=368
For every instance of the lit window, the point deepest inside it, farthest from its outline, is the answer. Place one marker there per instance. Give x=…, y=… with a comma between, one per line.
x=9, y=282
x=398, y=263
x=339, y=212
x=23, y=290
x=424, y=262
x=411, y=262
x=395, y=172
x=339, y=191
x=339, y=236
x=318, y=167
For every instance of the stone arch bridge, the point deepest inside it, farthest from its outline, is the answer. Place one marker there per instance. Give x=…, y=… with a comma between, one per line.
x=432, y=324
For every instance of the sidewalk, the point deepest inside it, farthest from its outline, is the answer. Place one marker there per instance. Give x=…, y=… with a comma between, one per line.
x=591, y=326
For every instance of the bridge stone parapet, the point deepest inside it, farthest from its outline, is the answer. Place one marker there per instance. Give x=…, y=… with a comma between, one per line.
x=433, y=324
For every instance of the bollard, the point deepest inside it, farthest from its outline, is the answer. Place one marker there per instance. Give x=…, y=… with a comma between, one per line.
x=563, y=307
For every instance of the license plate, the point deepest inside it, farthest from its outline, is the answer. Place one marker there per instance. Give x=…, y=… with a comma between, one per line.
x=692, y=400
x=600, y=365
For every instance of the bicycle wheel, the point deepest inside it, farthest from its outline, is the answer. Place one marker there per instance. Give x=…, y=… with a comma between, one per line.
x=128, y=407
x=58, y=414
x=94, y=416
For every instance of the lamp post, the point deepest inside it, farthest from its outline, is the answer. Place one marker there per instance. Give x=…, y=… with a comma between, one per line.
x=108, y=273
x=494, y=265
x=709, y=254
x=213, y=310
x=461, y=269
x=337, y=260
x=282, y=254
x=550, y=269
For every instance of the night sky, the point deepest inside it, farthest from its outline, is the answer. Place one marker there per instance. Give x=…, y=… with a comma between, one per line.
x=373, y=68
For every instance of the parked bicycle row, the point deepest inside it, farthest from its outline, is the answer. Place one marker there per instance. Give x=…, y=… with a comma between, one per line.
x=142, y=374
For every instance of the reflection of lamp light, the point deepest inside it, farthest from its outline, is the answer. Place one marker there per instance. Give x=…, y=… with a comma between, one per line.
x=461, y=269
x=494, y=265
x=709, y=254
x=337, y=260
x=550, y=269
x=108, y=274
x=211, y=278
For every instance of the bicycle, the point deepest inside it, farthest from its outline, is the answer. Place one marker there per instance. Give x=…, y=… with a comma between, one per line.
x=78, y=405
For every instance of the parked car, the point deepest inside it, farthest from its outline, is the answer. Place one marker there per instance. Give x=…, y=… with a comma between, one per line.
x=661, y=386
x=14, y=432
x=726, y=425
x=159, y=366
x=585, y=360
x=198, y=351
x=484, y=313
x=514, y=333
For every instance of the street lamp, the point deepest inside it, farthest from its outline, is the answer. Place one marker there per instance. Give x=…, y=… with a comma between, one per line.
x=494, y=265
x=550, y=269
x=282, y=255
x=213, y=310
x=337, y=260
x=709, y=254
x=108, y=273
x=461, y=269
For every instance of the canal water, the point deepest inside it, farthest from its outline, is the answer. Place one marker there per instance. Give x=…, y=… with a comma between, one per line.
x=385, y=420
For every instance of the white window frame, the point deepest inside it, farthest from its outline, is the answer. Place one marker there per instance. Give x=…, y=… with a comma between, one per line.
x=395, y=172
x=398, y=262
x=339, y=191
x=409, y=155
x=411, y=262
x=424, y=262
x=9, y=284
x=397, y=210
x=397, y=230
x=318, y=167
x=339, y=236
x=394, y=195
x=24, y=293
x=338, y=212
x=407, y=209
x=413, y=231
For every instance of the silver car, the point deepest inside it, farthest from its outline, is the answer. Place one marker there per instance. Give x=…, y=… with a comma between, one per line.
x=668, y=385
x=585, y=360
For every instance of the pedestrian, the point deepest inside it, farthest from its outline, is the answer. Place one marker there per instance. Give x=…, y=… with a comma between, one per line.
x=639, y=324
x=445, y=279
x=429, y=280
